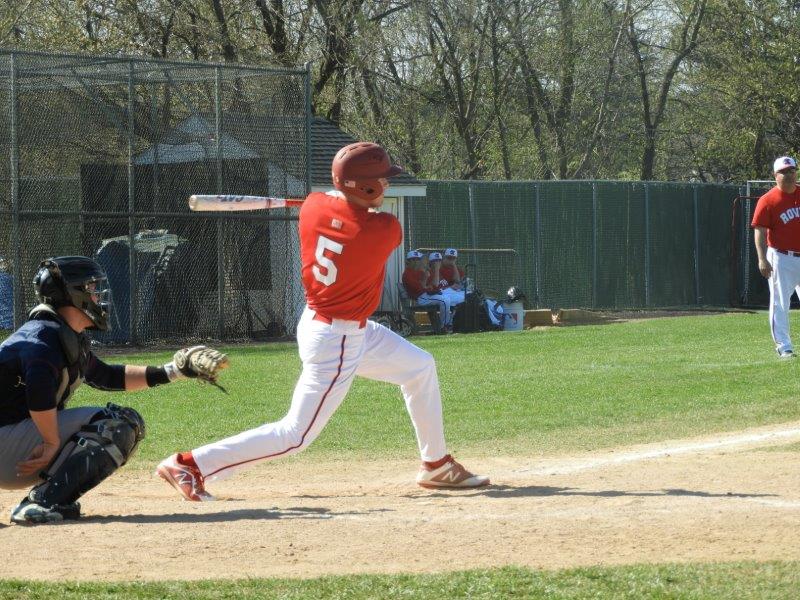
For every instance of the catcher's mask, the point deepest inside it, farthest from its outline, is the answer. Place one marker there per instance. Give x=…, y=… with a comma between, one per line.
x=357, y=170
x=514, y=294
x=75, y=281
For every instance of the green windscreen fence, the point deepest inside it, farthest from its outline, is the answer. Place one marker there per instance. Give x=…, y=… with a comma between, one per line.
x=585, y=244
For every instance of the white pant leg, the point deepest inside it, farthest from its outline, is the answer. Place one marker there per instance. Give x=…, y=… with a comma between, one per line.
x=330, y=355
x=783, y=281
x=456, y=297
x=442, y=302
x=391, y=358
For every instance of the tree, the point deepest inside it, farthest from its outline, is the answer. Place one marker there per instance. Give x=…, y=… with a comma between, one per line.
x=658, y=62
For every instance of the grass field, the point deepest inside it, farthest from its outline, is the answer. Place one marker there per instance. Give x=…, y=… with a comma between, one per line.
x=741, y=581
x=540, y=392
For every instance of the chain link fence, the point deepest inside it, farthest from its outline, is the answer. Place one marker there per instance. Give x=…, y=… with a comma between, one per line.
x=99, y=156
x=586, y=244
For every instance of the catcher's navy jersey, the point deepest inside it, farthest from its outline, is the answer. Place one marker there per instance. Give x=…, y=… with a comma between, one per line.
x=35, y=374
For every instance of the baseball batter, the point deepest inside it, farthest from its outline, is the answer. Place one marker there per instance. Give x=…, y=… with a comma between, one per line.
x=776, y=225
x=64, y=452
x=344, y=246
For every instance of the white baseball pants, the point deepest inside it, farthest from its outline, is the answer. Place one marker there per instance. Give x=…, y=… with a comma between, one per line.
x=333, y=354
x=456, y=296
x=784, y=280
x=442, y=302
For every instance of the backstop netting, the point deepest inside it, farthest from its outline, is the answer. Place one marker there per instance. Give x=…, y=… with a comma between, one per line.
x=99, y=156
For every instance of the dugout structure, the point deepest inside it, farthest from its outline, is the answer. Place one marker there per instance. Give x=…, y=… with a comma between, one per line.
x=98, y=156
x=587, y=244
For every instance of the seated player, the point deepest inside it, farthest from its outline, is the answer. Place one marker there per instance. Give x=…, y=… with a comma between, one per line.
x=450, y=277
x=418, y=284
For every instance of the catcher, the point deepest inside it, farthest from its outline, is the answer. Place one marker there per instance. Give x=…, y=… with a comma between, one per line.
x=64, y=452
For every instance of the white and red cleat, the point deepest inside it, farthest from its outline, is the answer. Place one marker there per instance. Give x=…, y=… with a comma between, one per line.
x=187, y=480
x=448, y=473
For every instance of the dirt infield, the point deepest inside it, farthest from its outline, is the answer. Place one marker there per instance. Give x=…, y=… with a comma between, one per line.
x=729, y=497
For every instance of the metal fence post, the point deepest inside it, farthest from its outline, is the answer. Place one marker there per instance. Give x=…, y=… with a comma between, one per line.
x=17, y=295
x=697, y=295
x=133, y=313
x=647, y=244
x=155, y=125
x=473, y=237
x=537, y=262
x=308, y=126
x=594, y=245
x=220, y=222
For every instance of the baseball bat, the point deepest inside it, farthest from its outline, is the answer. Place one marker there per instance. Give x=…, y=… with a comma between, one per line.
x=217, y=202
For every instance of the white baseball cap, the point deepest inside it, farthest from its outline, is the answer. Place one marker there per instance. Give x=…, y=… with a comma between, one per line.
x=435, y=256
x=784, y=162
x=451, y=252
x=413, y=254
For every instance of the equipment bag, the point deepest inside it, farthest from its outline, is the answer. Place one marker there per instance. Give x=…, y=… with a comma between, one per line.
x=467, y=318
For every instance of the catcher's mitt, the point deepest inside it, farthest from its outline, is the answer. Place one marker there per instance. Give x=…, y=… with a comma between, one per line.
x=201, y=362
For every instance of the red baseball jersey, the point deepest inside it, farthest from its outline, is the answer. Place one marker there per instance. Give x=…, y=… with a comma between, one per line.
x=415, y=281
x=779, y=212
x=448, y=272
x=343, y=251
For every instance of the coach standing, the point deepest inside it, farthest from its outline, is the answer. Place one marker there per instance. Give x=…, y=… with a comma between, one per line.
x=776, y=224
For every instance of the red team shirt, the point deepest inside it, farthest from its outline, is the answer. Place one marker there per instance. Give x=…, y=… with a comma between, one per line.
x=343, y=251
x=779, y=212
x=448, y=272
x=416, y=282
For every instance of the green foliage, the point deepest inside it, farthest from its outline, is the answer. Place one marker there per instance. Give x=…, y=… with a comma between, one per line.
x=489, y=89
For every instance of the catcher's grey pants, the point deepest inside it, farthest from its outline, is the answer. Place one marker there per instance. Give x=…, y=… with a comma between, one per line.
x=17, y=441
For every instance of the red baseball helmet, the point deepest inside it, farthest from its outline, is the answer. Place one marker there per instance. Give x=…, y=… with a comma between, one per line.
x=358, y=168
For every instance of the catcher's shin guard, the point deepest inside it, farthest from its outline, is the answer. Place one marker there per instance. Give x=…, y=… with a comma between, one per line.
x=92, y=454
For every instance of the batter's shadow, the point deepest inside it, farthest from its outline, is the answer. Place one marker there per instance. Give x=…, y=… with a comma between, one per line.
x=510, y=491
x=244, y=514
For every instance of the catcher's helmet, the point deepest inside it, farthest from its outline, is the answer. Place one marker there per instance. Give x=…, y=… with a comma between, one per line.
x=75, y=281
x=514, y=294
x=358, y=168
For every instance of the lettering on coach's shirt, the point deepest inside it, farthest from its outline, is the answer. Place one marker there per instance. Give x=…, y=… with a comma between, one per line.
x=789, y=214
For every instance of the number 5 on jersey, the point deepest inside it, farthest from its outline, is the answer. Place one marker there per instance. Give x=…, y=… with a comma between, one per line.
x=323, y=261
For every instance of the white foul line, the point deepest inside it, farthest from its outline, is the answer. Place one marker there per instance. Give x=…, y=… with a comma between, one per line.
x=751, y=439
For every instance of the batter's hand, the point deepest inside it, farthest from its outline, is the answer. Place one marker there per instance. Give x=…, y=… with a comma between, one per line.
x=38, y=460
x=765, y=268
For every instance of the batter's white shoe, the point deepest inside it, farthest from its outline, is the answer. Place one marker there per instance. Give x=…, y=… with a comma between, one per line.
x=451, y=474
x=187, y=480
x=785, y=354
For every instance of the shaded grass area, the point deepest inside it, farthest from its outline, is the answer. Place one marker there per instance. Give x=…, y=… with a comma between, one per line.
x=773, y=580
x=540, y=391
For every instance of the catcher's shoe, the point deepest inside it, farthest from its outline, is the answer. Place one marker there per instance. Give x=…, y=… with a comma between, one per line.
x=449, y=474
x=187, y=480
x=29, y=512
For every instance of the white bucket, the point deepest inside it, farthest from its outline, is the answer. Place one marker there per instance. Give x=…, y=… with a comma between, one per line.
x=514, y=317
